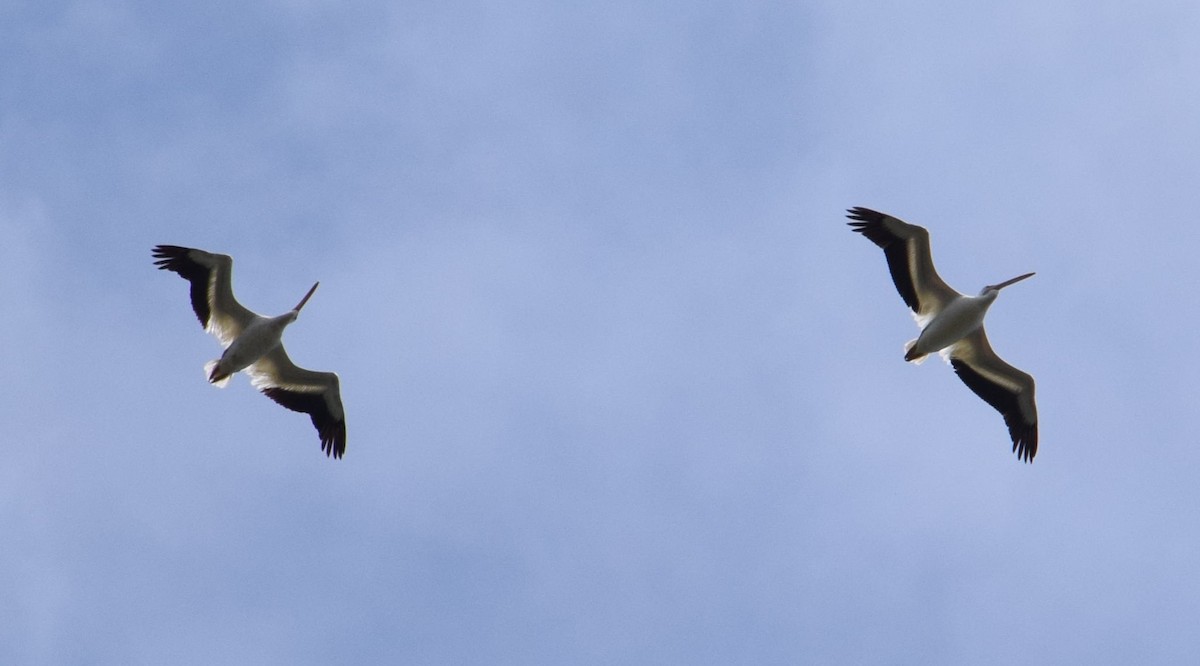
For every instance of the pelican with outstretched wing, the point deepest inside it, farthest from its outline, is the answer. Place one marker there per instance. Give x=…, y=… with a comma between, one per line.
x=952, y=323
x=254, y=343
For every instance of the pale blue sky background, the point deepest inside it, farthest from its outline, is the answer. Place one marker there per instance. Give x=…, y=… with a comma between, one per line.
x=621, y=385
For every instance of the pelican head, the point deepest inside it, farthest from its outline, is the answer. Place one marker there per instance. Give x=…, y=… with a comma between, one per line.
x=994, y=287
x=309, y=295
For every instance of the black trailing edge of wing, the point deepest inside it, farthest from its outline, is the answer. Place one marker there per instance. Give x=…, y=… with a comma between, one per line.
x=870, y=224
x=1024, y=435
x=331, y=430
x=175, y=259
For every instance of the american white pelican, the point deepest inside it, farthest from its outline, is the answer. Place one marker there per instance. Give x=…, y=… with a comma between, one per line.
x=953, y=324
x=253, y=343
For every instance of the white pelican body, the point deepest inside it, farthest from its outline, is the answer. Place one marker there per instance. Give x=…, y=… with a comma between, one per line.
x=958, y=318
x=952, y=323
x=254, y=344
x=261, y=335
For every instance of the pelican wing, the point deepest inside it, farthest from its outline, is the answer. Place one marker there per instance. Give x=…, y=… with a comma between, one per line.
x=211, y=276
x=906, y=247
x=317, y=394
x=1002, y=386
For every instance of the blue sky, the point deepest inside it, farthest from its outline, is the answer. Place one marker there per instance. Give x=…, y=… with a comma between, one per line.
x=621, y=386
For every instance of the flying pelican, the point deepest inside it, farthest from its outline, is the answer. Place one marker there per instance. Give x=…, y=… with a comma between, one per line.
x=253, y=343
x=953, y=324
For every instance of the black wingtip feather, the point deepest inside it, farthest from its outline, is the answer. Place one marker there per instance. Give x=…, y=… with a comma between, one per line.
x=871, y=226
x=864, y=214
x=175, y=259
x=1024, y=435
x=331, y=431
